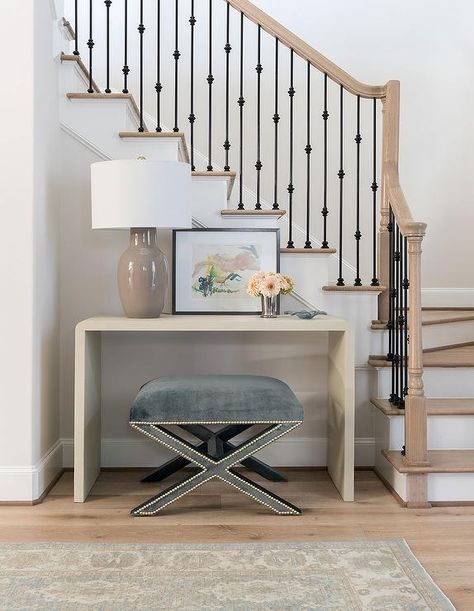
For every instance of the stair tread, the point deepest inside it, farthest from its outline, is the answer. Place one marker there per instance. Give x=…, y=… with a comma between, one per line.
x=235, y=212
x=308, y=251
x=435, y=317
x=160, y=135
x=70, y=57
x=441, y=461
x=108, y=96
x=351, y=288
x=435, y=407
x=461, y=355
x=218, y=174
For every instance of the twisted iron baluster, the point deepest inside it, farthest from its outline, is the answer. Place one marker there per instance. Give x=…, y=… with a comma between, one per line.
x=141, y=30
x=291, y=189
x=308, y=150
x=276, y=120
x=210, y=80
x=374, y=187
x=176, y=56
x=158, y=85
x=241, y=102
x=192, y=116
x=107, y=43
x=341, y=174
x=227, y=49
x=90, y=44
x=325, y=211
x=259, y=69
x=358, y=235
x=125, y=69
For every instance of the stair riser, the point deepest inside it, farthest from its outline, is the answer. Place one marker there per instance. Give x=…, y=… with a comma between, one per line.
x=444, y=432
x=441, y=487
x=454, y=382
x=451, y=487
x=448, y=334
x=437, y=335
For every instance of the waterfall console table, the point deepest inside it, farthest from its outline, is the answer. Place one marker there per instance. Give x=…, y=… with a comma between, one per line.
x=87, y=392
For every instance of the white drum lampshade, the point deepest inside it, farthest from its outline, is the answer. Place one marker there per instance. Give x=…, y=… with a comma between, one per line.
x=141, y=195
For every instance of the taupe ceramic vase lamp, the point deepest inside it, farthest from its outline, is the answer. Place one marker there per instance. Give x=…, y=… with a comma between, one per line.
x=141, y=195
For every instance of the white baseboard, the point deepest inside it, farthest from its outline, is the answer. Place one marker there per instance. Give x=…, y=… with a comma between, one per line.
x=293, y=452
x=447, y=297
x=28, y=482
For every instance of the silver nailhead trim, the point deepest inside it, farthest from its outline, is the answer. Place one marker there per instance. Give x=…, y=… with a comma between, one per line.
x=132, y=422
x=208, y=461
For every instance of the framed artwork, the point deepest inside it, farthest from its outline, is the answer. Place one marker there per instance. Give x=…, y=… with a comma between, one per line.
x=211, y=268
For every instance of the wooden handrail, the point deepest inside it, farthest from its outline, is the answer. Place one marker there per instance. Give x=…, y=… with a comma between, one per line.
x=416, y=419
x=304, y=50
x=397, y=201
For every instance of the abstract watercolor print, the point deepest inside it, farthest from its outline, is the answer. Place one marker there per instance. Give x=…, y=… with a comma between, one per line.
x=221, y=270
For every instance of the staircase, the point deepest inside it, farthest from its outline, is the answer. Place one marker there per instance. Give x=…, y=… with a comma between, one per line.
x=322, y=219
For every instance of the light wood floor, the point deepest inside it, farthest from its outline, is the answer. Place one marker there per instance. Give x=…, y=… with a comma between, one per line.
x=442, y=538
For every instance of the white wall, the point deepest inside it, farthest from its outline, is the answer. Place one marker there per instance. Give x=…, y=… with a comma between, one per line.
x=16, y=246
x=428, y=46
x=29, y=320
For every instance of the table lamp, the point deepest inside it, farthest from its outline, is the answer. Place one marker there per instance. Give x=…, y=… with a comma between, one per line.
x=141, y=195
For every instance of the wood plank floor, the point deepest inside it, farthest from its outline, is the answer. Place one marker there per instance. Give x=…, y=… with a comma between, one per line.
x=442, y=538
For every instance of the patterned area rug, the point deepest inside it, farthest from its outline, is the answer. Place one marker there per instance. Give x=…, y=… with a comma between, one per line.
x=338, y=576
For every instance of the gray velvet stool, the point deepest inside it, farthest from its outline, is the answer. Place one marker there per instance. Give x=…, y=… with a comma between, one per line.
x=235, y=401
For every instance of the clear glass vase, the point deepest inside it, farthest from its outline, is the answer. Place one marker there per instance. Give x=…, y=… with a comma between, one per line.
x=269, y=307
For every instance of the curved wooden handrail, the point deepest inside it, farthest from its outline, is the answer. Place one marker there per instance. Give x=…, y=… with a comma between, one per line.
x=396, y=198
x=392, y=191
x=301, y=48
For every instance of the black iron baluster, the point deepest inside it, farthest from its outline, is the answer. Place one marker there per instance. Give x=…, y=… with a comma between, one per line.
x=325, y=211
x=374, y=186
x=76, y=38
x=90, y=44
x=210, y=80
x=291, y=189
x=241, y=103
x=341, y=174
x=176, y=56
x=308, y=150
x=158, y=85
x=396, y=259
x=391, y=282
x=406, y=286
x=125, y=69
x=259, y=69
x=401, y=323
x=141, y=30
x=107, y=52
x=358, y=235
x=192, y=116
x=227, y=49
x=276, y=120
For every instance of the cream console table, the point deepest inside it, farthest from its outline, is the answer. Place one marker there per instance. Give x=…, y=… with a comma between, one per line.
x=87, y=392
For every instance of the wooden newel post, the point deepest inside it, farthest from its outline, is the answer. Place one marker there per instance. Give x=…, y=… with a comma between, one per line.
x=416, y=448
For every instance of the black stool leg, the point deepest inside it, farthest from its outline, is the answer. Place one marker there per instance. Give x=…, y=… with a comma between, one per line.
x=170, y=467
x=216, y=445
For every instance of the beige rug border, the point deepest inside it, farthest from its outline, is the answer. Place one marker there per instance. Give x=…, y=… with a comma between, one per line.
x=411, y=563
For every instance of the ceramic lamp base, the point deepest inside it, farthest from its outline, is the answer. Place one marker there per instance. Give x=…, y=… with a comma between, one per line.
x=142, y=275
